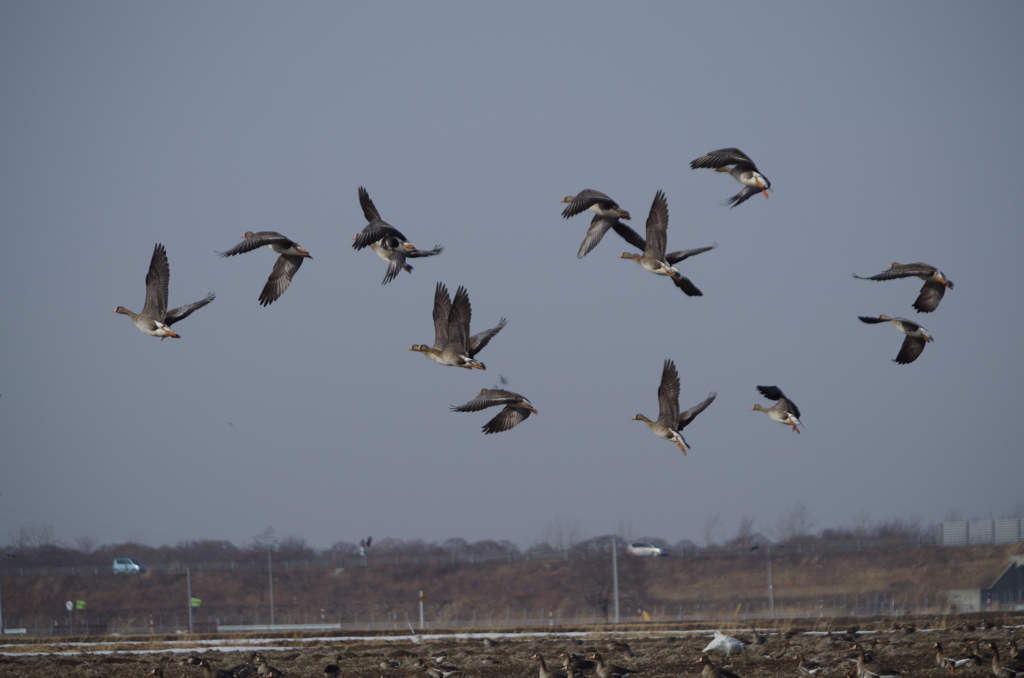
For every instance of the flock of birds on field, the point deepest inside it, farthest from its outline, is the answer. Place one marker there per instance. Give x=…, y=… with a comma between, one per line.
x=453, y=345
x=847, y=653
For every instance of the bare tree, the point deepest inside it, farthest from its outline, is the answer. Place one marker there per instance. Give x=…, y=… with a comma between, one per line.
x=745, y=535
x=1017, y=511
x=34, y=536
x=711, y=530
x=562, y=534
x=797, y=523
x=85, y=544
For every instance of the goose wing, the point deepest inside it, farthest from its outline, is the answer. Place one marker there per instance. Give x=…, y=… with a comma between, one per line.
x=458, y=321
x=489, y=397
x=185, y=311
x=931, y=295
x=684, y=283
x=442, y=310
x=722, y=158
x=674, y=258
x=509, y=417
x=280, y=278
x=668, y=396
x=775, y=393
x=478, y=341
x=742, y=196
x=158, y=280
x=584, y=200
x=253, y=241
x=657, y=228
x=911, y=349
x=687, y=417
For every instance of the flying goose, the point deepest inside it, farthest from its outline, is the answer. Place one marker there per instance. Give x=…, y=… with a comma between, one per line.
x=742, y=170
x=607, y=214
x=387, y=241
x=155, y=320
x=286, y=266
x=653, y=258
x=917, y=336
x=935, y=282
x=452, y=344
x=517, y=409
x=783, y=411
x=670, y=422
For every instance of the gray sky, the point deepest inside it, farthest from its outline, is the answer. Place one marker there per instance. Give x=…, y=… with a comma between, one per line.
x=890, y=132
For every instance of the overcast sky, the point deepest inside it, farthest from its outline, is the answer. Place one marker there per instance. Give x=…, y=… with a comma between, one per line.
x=890, y=132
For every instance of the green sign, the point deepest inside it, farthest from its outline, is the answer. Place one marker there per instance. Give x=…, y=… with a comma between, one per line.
x=196, y=602
x=79, y=604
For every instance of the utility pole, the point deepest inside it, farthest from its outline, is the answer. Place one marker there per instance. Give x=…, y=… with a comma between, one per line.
x=188, y=581
x=615, y=576
x=422, y=598
x=771, y=588
x=270, y=575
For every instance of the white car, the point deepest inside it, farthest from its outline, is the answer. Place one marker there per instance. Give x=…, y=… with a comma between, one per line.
x=124, y=565
x=646, y=548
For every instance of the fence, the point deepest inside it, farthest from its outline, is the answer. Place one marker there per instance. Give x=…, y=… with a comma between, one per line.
x=398, y=620
x=339, y=564
x=974, y=532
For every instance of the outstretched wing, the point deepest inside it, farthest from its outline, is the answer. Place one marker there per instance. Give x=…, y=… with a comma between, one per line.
x=280, y=278
x=158, y=279
x=657, y=228
x=369, y=209
x=256, y=241
x=689, y=415
x=674, y=258
x=584, y=200
x=478, y=341
x=183, y=312
x=722, y=158
x=931, y=295
x=668, y=395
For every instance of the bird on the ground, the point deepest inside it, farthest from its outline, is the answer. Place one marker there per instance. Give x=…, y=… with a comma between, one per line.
x=709, y=670
x=952, y=663
x=935, y=282
x=783, y=411
x=807, y=668
x=210, y=672
x=724, y=646
x=874, y=670
x=517, y=408
x=387, y=241
x=610, y=670
x=155, y=320
x=670, y=422
x=452, y=344
x=286, y=266
x=741, y=167
x=913, y=345
x=1004, y=668
x=654, y=259
x=544, y=671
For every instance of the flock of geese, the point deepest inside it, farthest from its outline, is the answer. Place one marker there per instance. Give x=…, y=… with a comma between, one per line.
x=860, y=663
x=453, y=345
